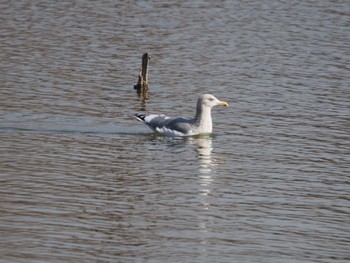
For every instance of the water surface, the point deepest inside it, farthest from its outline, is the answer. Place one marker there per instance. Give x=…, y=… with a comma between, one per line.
x=82, y=181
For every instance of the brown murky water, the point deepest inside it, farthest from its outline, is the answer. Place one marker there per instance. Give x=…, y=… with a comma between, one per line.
x=82, y=181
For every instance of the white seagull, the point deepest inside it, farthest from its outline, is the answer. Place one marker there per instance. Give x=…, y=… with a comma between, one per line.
x=200, y=124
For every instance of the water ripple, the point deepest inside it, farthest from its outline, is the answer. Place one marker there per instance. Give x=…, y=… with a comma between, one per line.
x=81, y=180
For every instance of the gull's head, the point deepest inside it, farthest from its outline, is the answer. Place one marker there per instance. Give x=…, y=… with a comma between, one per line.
x=210, y=101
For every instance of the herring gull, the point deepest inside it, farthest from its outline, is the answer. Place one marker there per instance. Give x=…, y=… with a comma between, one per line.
x=200, y=124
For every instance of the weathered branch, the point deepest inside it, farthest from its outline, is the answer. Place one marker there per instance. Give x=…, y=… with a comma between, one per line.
x=142, y=83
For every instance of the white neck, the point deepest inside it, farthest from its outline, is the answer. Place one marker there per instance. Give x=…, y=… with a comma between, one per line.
x=203, y=119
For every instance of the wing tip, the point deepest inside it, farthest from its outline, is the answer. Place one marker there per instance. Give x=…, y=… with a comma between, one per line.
x=140, y=117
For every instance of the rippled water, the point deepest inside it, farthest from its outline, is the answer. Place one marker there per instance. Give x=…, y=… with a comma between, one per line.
x=82, y=181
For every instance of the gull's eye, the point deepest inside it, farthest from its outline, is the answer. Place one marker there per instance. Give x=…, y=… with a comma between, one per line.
x=210, y=99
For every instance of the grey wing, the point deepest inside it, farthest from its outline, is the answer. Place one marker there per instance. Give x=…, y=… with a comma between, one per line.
x=162, y=122
x=182, y=125
x=155, y=121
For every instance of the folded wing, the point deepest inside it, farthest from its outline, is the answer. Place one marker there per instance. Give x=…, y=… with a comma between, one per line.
x=166, y=125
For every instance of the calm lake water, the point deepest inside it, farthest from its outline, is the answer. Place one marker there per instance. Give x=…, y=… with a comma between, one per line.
x=82, y=181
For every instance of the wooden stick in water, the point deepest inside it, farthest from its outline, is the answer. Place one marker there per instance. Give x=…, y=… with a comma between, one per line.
x=142, y=83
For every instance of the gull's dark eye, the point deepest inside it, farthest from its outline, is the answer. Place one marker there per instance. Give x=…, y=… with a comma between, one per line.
x=210, y=99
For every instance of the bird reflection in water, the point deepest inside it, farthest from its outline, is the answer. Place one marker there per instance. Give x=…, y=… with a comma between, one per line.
x=205, y=165
x=204, y=149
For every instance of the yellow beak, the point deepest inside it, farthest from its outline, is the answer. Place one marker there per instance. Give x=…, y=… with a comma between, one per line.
x=223, y=103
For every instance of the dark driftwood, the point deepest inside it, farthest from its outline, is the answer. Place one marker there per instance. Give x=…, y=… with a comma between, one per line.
x=142, y=83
